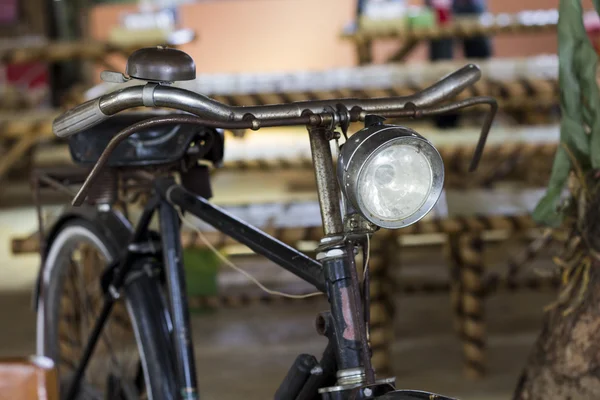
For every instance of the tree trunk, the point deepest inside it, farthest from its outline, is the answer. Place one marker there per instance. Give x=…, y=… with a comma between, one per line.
x=565, y=361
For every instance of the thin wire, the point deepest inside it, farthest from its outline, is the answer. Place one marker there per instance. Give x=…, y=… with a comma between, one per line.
x=366, y=267
x=238, y=269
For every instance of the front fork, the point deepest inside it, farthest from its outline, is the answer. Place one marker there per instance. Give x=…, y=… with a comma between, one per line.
x=342, y=324
x=346, y=329
x=345, y=324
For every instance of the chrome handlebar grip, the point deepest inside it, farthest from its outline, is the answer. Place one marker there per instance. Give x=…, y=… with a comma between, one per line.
x=79, y=118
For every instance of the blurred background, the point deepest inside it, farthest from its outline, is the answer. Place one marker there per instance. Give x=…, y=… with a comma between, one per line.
x=457, y=298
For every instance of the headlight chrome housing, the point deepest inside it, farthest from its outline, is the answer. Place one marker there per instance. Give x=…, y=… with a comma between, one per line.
x=390, y=174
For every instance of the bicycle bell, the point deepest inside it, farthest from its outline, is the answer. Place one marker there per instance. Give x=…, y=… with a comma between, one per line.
x=155, y=64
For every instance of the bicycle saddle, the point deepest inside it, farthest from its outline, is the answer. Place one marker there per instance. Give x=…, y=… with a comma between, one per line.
x=151, y=146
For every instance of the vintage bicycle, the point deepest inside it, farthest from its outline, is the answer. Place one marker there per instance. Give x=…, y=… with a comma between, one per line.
x=138, y=343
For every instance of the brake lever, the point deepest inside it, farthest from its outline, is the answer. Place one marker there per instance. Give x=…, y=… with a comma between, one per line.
x=485, y=130
x=411, y=110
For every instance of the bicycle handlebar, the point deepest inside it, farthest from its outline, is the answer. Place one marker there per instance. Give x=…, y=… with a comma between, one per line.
x=97, y=110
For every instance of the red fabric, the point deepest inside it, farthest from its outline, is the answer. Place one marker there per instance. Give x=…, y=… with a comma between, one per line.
x=444, y=15
x=29, y=76
x=592, y=27
x=443, y=11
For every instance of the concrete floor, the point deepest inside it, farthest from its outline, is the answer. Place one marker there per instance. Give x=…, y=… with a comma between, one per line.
x=247, y=351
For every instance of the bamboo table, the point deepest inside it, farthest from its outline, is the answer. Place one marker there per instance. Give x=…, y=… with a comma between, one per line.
x=489, y=25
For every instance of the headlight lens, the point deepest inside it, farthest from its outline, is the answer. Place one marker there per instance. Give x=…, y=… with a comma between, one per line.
x=391, y=175
x=395, y=182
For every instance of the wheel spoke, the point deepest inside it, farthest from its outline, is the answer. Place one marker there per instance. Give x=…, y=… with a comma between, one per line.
x=80, y=302
x=92, y=263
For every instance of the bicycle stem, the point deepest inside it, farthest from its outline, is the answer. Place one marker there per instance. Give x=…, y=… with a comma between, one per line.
x=327, y=187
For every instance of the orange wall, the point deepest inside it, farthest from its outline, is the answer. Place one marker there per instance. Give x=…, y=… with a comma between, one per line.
x=276, y=35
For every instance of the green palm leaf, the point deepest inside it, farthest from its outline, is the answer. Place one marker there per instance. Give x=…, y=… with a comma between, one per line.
x=579, y=103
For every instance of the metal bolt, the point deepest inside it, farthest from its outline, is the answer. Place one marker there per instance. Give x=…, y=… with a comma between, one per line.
x=368, y=392
x=114, y=292
x=330, y=135
x=354, y=223
x=103, y=207
x=317, y=370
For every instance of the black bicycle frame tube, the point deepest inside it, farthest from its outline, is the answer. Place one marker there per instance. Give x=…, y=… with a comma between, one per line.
x=345, y=324
x=261, y=243
x=180, y=314
x=110, y=297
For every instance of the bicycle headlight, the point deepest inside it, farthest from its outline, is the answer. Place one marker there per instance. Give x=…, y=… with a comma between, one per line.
x=390, y=174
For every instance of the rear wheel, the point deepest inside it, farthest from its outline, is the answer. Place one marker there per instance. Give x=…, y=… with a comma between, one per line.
x=133, y=357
